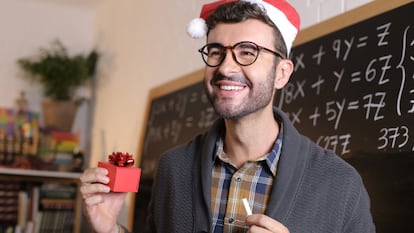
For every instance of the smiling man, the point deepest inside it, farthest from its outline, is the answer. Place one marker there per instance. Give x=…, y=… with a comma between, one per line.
x=253, y=151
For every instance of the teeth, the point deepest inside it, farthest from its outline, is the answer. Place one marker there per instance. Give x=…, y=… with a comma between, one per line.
x=231, y=88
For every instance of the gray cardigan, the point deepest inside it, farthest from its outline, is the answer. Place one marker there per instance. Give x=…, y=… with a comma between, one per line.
x=314, y=190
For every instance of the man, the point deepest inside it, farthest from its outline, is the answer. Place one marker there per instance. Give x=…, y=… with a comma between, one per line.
x=253, y=151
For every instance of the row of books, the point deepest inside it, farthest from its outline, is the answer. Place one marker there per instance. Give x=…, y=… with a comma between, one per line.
x=9, y=199
x=36, y=208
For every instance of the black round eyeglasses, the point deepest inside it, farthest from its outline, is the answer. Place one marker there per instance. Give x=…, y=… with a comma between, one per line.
x=244, y=53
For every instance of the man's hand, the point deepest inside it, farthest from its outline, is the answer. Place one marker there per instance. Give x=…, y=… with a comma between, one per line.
x=264, y=224
x=101, y=206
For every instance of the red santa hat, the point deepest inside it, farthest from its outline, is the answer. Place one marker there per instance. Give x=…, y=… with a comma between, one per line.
x=282, y=14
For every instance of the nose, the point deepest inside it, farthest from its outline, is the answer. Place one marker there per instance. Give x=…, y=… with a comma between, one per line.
x=229, y=64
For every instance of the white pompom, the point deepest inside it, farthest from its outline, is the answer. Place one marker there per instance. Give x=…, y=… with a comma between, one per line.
x=197, y=28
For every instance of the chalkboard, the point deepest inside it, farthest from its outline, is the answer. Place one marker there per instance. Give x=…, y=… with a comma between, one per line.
x=352, y=92
x=175, y=118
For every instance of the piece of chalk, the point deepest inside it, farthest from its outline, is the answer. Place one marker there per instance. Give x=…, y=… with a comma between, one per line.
x=247, y=207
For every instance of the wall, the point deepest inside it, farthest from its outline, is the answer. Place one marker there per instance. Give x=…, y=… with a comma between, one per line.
x=27, y=25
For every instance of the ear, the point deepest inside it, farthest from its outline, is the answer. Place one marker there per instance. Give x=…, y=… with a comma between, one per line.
x=283, y=71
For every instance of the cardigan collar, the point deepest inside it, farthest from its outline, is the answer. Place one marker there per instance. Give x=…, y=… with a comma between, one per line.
x=290, y=172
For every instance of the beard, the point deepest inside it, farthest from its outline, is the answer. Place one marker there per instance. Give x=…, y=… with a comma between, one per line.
x=260, y=95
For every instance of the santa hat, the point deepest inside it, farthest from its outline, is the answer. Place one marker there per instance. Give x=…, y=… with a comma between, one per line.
x=282, y=14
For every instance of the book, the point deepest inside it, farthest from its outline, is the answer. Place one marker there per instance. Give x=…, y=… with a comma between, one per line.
x=22, y=209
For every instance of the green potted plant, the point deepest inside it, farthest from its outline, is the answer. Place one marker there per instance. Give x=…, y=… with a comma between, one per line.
x=61, y=75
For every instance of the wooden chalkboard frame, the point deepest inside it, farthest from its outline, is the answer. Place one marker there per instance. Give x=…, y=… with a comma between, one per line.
x=346, y=19
x=372, y=9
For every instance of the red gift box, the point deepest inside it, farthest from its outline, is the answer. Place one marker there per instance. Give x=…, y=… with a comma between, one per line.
x=122, y=178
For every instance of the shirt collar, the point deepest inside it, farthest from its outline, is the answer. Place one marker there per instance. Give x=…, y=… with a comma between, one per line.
x=271, y=159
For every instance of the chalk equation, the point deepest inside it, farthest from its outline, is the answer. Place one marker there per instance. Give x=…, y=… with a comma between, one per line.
x=177, y=117
x=354, y=90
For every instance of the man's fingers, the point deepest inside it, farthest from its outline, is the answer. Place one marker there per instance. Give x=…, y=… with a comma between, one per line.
x=94, y=182
x=93, y=200
x=95, y=175
x=263, y=222
x=90, y=189
x=260, y=220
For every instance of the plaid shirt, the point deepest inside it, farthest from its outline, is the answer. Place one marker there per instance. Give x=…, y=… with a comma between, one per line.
x=230, y=185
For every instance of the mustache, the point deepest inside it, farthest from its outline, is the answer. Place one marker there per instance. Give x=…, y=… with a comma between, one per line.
x=235, y=78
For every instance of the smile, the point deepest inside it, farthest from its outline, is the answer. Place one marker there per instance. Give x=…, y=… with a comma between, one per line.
x=231, y=88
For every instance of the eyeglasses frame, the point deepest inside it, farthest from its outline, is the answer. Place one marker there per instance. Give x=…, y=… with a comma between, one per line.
x=225, y=48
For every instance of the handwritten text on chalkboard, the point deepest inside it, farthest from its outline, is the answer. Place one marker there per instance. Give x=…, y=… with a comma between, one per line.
x=353, y=90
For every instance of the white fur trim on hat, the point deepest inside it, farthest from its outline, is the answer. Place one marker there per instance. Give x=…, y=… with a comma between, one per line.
x=197, y=28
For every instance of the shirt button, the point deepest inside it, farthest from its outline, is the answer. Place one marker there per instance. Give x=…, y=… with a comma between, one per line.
x=238, y=179
x=231, y=220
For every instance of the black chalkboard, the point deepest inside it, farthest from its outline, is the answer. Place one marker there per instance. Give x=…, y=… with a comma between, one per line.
x=174, y=119
x=352, y=92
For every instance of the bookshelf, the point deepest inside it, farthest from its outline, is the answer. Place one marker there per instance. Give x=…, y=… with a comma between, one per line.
x=37, y=180
x=39, y=173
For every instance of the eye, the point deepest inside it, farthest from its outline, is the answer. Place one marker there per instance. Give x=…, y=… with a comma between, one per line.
x=246, y=50
x=214, y=51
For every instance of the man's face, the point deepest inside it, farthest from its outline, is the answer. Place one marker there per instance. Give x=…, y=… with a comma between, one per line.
x=234, y=90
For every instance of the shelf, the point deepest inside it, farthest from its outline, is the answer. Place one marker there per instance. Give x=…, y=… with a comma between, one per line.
x=39, y=173
x=41, y=176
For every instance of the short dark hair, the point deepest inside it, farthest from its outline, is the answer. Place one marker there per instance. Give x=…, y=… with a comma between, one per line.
x=239, y=11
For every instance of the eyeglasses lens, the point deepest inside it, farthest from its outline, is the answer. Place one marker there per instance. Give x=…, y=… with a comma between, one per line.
x=245, y=53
